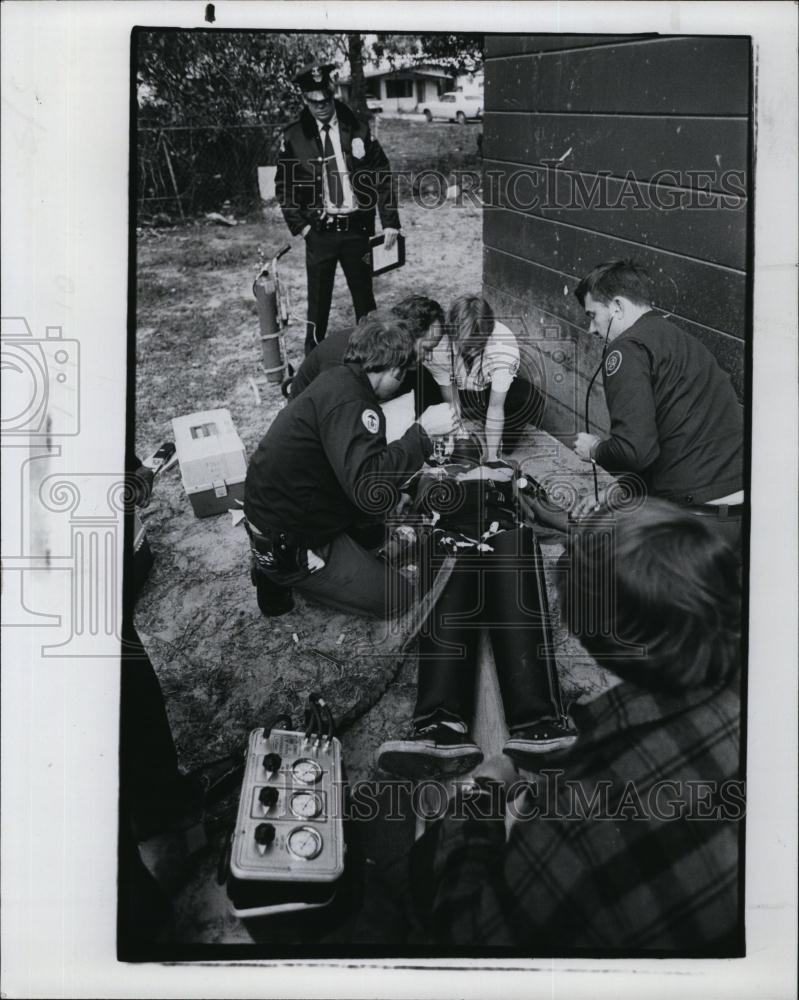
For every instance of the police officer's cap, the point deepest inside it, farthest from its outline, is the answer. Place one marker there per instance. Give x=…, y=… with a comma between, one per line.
x=315, y=76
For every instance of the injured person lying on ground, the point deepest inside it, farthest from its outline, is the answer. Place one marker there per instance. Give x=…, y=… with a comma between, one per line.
x=497, y=582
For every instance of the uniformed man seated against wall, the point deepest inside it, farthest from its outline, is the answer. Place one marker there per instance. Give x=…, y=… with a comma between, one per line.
x=324, y=467
x=675, y=421
x=425, y=318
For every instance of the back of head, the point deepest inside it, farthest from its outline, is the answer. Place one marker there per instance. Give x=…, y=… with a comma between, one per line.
x=419, y=313
x=616, y=278
x=653, y=594
x=471, y=323
x=381, y=341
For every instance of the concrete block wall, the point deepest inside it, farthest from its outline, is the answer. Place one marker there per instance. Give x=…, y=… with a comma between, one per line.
x=598, y=147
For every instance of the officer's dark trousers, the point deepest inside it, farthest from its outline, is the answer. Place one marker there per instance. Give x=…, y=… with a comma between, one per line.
x=323, y=251
x=504, y=592
x=729, y=527
x=524, y=405
x=352, y=580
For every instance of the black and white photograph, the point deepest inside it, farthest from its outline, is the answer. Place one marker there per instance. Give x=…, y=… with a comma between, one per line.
x=415, y=531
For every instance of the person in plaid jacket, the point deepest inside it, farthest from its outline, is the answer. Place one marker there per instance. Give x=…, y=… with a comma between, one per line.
x=631, y=842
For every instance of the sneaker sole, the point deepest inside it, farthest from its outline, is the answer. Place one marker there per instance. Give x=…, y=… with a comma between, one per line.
x=409, y=760
x=521, y=751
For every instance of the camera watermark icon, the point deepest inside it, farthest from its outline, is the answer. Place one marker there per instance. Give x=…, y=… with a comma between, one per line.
x=40, y=382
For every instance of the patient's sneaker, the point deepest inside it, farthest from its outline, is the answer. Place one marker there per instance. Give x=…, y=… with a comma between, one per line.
x=435, y=750
x=547, y=736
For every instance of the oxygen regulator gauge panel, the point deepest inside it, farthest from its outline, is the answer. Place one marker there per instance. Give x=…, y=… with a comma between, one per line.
x=288, y=842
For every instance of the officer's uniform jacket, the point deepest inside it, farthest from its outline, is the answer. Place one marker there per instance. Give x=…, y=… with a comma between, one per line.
x=674, y=416
x=298, y=181
x=324, y=464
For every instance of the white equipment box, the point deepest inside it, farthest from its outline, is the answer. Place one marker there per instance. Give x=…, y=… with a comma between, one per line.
x=287, y=849
x=213, y=465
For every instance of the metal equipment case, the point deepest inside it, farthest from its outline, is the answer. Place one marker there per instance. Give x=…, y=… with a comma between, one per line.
x=213, y=465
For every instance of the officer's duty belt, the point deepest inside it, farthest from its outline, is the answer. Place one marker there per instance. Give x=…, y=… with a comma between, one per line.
x=339, y=223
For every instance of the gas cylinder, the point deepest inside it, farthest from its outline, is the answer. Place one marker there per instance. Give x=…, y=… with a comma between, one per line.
x=266, y=301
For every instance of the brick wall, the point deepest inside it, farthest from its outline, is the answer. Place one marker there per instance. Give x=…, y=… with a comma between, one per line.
x=629, y=121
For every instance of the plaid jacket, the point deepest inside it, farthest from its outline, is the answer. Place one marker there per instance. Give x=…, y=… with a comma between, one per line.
x=603, y=867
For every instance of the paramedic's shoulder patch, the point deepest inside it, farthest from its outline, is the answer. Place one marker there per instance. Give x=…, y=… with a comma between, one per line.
x=612, y=363
x=371, y=421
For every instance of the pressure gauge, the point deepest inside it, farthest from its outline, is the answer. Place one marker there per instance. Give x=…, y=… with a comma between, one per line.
x=306, y=771
x=304, y=843
x=306, y=804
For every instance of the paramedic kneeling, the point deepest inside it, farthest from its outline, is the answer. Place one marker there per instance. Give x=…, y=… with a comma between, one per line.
x=324, y=467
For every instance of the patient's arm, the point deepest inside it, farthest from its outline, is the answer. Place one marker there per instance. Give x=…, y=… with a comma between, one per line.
x=500, y=474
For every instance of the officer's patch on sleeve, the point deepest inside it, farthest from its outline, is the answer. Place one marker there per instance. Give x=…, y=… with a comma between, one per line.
x=371, y=421
x=612, y=363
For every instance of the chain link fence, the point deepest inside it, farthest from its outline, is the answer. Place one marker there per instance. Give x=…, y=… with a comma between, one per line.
x=184, y=170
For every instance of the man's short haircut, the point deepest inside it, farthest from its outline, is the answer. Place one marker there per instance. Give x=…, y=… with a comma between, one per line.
x=381, y=341
x=471, y=323
x=623, y=278
x=653, y=594
x=419, y=313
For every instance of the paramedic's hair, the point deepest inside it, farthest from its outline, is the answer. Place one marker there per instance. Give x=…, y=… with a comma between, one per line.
x=381, y=341
x=622, y=278
x=419, y=313
x=471, y=323
x=656, y=578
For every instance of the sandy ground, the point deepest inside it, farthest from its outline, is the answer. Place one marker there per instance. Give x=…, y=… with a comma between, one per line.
x=221, y=665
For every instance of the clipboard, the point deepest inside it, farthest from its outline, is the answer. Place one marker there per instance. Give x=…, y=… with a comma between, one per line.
x=379, y=260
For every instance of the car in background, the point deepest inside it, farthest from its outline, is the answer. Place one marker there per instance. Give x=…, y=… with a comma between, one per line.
x=454, y=106
x=374, y=105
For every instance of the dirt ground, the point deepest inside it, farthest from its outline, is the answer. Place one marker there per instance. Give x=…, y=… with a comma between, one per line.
x=221, y=665
x=223, y=668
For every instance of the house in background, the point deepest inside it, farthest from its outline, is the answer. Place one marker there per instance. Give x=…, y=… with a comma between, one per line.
x=470, y=83
x=402, y=88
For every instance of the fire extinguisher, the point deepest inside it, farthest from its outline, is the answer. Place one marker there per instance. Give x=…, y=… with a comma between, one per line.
x=270, y=300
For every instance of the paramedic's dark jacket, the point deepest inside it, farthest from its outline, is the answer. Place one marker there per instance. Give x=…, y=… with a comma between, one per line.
x=674, y=416
x=324, y=463
x=325, y=355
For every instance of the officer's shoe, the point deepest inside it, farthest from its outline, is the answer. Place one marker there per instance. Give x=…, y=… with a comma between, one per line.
x=525, y=746
x=434, y=750
x=273, y=598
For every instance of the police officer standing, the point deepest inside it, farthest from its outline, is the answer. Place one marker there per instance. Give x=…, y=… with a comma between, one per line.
x=331, y=176
x=674, y=418
x=324, y=467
